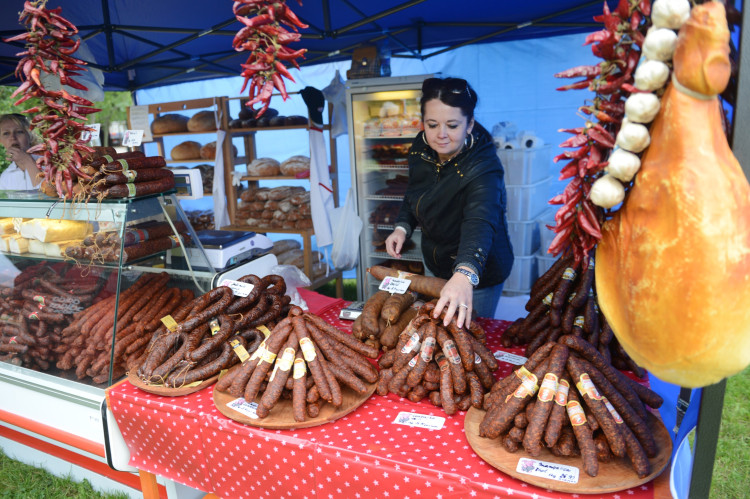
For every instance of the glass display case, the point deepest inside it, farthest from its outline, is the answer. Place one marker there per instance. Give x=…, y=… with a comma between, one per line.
x=80, y=283
x=384, y=117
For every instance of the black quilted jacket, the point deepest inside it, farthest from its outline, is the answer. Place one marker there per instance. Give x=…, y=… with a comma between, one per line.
x=460, y=207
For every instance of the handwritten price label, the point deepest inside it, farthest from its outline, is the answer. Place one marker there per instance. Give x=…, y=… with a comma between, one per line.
x=90, y=135
x=544, y=469
x=394, y=285
x=248, y=409
x=238, y=288
x=132, y=138
x=510, y=358
x=420, y=420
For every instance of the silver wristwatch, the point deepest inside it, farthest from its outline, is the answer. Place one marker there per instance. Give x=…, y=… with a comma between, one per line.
x=473, y=278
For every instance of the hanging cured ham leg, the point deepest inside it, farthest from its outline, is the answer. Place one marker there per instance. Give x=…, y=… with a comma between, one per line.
x=673, y=265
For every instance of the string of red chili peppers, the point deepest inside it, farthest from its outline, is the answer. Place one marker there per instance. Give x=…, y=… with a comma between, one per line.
x=49, y=47
x=578, y=221
x=267, y=41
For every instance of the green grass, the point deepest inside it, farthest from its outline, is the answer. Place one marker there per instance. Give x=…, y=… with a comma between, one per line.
x=21, y=481
x=731, y=478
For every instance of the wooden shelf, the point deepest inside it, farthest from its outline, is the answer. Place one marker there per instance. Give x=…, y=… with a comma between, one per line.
x=272, y=177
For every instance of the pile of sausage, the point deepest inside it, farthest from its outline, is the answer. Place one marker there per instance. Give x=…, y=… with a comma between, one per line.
x=384, y=316
x=212, y=332
x=453, y=376
x=564, y=301
x=311, y=359
x=34, y=313
x=127, y=174
x=86, y=343
x=568, y=398
x=138, y=241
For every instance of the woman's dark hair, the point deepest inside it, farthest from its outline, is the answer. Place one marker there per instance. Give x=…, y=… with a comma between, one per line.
x=454, y=92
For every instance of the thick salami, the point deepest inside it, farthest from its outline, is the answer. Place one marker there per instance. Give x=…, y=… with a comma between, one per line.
x=133, y=176
x=137, y=189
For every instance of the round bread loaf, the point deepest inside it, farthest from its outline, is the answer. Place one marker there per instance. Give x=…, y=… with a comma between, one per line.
x=263, y=167
x=295, y=165
x=295, y=120
x=169, y=123
x=186, y=150
x=203, y=121
x=208, y=151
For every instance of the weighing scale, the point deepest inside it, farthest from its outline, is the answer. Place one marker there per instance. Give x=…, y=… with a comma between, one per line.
x=226, y=248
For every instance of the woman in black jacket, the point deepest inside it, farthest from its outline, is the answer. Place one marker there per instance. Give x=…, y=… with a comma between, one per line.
x=456, y=194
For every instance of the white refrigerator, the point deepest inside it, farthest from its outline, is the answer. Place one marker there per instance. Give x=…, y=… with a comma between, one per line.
x=383, y=119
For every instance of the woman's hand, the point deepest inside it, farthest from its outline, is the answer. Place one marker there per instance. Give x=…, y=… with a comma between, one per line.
x=395, y=242
x=457, y=296
x=24, y=161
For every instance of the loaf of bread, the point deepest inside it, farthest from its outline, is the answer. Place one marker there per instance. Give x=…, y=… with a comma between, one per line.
x=208, y=151
x=203, y=121
x=284, y=245
x=18, y=244
x=294, y=257
x=295, y=165
x=187, y=150
x=283, y=192
x=169, y=123
x=263, y=167
x=6, y=226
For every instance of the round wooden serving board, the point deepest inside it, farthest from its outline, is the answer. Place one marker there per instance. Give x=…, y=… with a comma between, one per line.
x=166, y=391
x=281, y=416
x=616, y=475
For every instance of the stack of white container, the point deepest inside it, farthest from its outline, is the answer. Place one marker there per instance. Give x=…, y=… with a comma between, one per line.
x=545, y=260
x=527, y=182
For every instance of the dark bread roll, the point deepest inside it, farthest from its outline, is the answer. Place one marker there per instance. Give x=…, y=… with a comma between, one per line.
x=169, y=123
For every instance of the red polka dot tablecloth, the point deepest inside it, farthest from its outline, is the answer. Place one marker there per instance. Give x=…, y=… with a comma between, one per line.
x=364, y=454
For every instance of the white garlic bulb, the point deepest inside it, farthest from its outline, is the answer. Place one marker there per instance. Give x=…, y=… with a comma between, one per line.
x=651, y=75
x=633, y=137
x=607, y=192
x=642, y=107
x=670, y=14
x=659, y=44
x=623, y=165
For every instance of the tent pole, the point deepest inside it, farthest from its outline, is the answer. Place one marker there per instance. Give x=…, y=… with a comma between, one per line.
x=107, y=25
x=375, y=17
x=382, y=30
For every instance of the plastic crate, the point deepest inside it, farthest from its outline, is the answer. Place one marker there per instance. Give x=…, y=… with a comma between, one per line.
x=524, y=236
x=526, y=202
x=546, y=235
x=522, y=275
x=544, y=261
x=525, y=166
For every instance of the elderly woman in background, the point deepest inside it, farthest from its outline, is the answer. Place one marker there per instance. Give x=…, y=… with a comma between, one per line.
x=15, y=136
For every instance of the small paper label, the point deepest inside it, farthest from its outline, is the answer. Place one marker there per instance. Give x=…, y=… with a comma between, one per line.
x=93, y=134
x=413, y=361
x=263, y=329
x=268, y=356
x=575, y=413
x=300, y=368
x=130, y=175
x=544, y=469
x=132, y=138
x=569, y=274
x=420, y=420
x=260, y=351
x=548, y=389
x=394, y=285
x=561, y=395
x=579, y=321
x=239, y=350
x=587, y=387
x=238, y=288
x=527, y=387
x=427, y=348
x=287, y=358
x=214, y=325
x=308, y=349
x=510, y=358
x=168, y=321
x=442, y=362
x=451, y=352
x=615, y=415
x=131, y=190
x=411, y=344
x=248, y=409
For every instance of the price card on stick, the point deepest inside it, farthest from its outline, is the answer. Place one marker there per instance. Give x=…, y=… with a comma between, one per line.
x=93, y=134
x=132, y=138
x=138, y=120
x=394, y=285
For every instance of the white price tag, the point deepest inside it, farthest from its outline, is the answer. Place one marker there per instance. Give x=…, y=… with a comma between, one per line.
x=138, y=120
x=394, y=285
x=544, y=469
x=510, y=358
x=238, y=288
x=248, y=409
x=132, y=138
x=420, y=420
x=90, y=135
